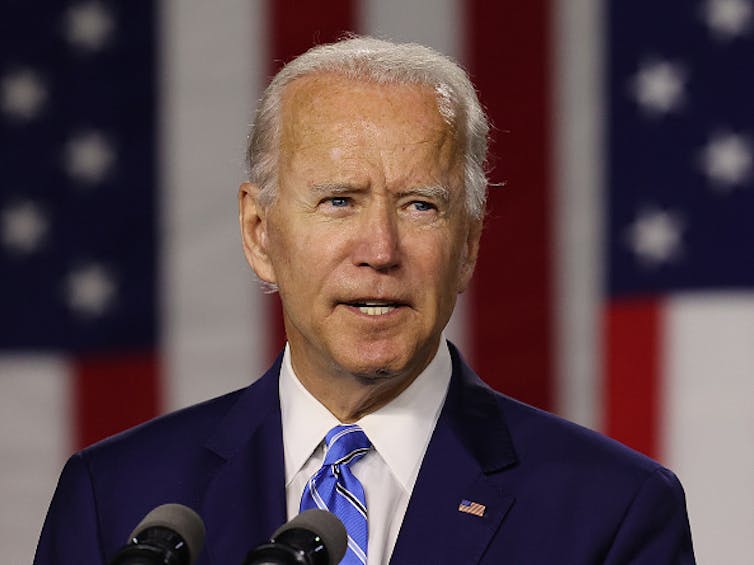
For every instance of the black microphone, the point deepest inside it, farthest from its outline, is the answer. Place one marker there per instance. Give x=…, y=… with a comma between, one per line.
x=171, y=534
x=314, y=537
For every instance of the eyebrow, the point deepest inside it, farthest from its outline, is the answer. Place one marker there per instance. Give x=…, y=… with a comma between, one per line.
x=435, y=191
x=334, y=188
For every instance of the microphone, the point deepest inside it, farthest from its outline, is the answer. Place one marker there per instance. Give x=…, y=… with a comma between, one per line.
x=171, y=534
x=314, y=537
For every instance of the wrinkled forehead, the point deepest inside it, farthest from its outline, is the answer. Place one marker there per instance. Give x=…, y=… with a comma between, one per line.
x=327, y=106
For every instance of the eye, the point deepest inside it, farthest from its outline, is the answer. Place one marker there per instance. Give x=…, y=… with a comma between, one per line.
x=422, y=206
x=338, y=201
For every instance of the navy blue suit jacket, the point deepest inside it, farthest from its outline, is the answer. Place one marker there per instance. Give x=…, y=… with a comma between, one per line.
x=554, y=492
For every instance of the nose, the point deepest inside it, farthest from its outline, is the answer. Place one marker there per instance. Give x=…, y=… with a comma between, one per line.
x=377, y=243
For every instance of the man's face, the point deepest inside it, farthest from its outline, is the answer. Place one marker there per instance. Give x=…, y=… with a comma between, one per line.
x=368, y=241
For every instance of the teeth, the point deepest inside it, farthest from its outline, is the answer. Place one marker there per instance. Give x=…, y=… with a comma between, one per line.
x=375, y=310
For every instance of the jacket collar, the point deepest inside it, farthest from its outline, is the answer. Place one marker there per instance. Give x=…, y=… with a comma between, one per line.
x=473, y=411
x=470, y=447
x=244, y=502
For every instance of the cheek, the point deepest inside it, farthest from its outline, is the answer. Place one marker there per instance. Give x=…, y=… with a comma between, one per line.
x=451, y=265
x=438, y=263
x=305, y=258
x=284, y=255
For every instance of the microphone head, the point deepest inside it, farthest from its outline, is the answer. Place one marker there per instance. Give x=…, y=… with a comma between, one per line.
x=181, y=520
x=324, y=524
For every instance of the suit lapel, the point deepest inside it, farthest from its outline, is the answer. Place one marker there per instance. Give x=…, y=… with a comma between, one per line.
x=245, y=499
x=468, y=450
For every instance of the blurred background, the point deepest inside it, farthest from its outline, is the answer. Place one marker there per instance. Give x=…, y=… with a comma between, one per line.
x=616, y=279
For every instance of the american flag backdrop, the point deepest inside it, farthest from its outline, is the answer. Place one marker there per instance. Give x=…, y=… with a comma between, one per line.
x=615, y=283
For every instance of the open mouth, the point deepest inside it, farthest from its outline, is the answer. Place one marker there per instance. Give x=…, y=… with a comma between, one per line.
x=374, y=308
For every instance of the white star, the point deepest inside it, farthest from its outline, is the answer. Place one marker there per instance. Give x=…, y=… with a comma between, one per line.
x=88, y=157
x=89, y=25
x=655, y=236
x=24, y=226
x=659, y=87
x=727, y=160
x=90, y=290
x=23, y=94
x=728, y=19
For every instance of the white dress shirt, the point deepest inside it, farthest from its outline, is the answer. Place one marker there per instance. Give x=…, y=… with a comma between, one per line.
x=399, y=431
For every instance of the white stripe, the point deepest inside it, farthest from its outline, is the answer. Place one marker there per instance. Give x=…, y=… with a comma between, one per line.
x=316, y=496
x=211, y=69
x=341, y=433
x=360, y=555
x=35, y=435
x=709, y=419
x=434, y=23
x=437, y=24
x=578, y=183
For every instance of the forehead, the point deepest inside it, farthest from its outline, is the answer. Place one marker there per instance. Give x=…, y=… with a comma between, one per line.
x=329, y=108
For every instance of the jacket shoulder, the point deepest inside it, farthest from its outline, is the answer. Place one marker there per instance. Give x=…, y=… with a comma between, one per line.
x=542, y=436
x=603, y=499
x=190, y=425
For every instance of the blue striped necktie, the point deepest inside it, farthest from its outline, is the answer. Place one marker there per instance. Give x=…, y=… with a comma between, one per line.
x=336, y=489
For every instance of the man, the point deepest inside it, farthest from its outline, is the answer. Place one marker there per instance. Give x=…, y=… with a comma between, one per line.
x=364, y=210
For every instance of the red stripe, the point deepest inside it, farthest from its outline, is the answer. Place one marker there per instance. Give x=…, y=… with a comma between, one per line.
x=632, y=369
x=113, y=393
x=296, y=26
x=508, y=54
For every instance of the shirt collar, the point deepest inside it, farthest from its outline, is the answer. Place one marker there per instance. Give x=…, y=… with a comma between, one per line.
x=305, y=420
x=400, y=431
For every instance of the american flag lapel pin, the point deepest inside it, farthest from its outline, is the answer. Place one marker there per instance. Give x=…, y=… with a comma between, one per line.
x=470, y=507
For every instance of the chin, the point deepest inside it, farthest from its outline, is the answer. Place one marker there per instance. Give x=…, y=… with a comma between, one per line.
x=376, y=377
x=378, y=366
x=372, y=368
x=380, y=357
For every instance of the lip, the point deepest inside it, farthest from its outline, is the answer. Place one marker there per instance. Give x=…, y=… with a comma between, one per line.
x=383, y=300
x=374, y=308
x=376, y=317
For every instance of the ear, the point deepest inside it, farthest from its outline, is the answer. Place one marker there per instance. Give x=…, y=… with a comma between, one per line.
x=470, y=253
x=253, y=220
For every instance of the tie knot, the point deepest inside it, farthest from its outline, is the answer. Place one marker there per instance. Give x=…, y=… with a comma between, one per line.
x=346, y=444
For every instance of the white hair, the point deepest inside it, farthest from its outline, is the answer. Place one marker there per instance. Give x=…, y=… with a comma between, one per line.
x=384, y=62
